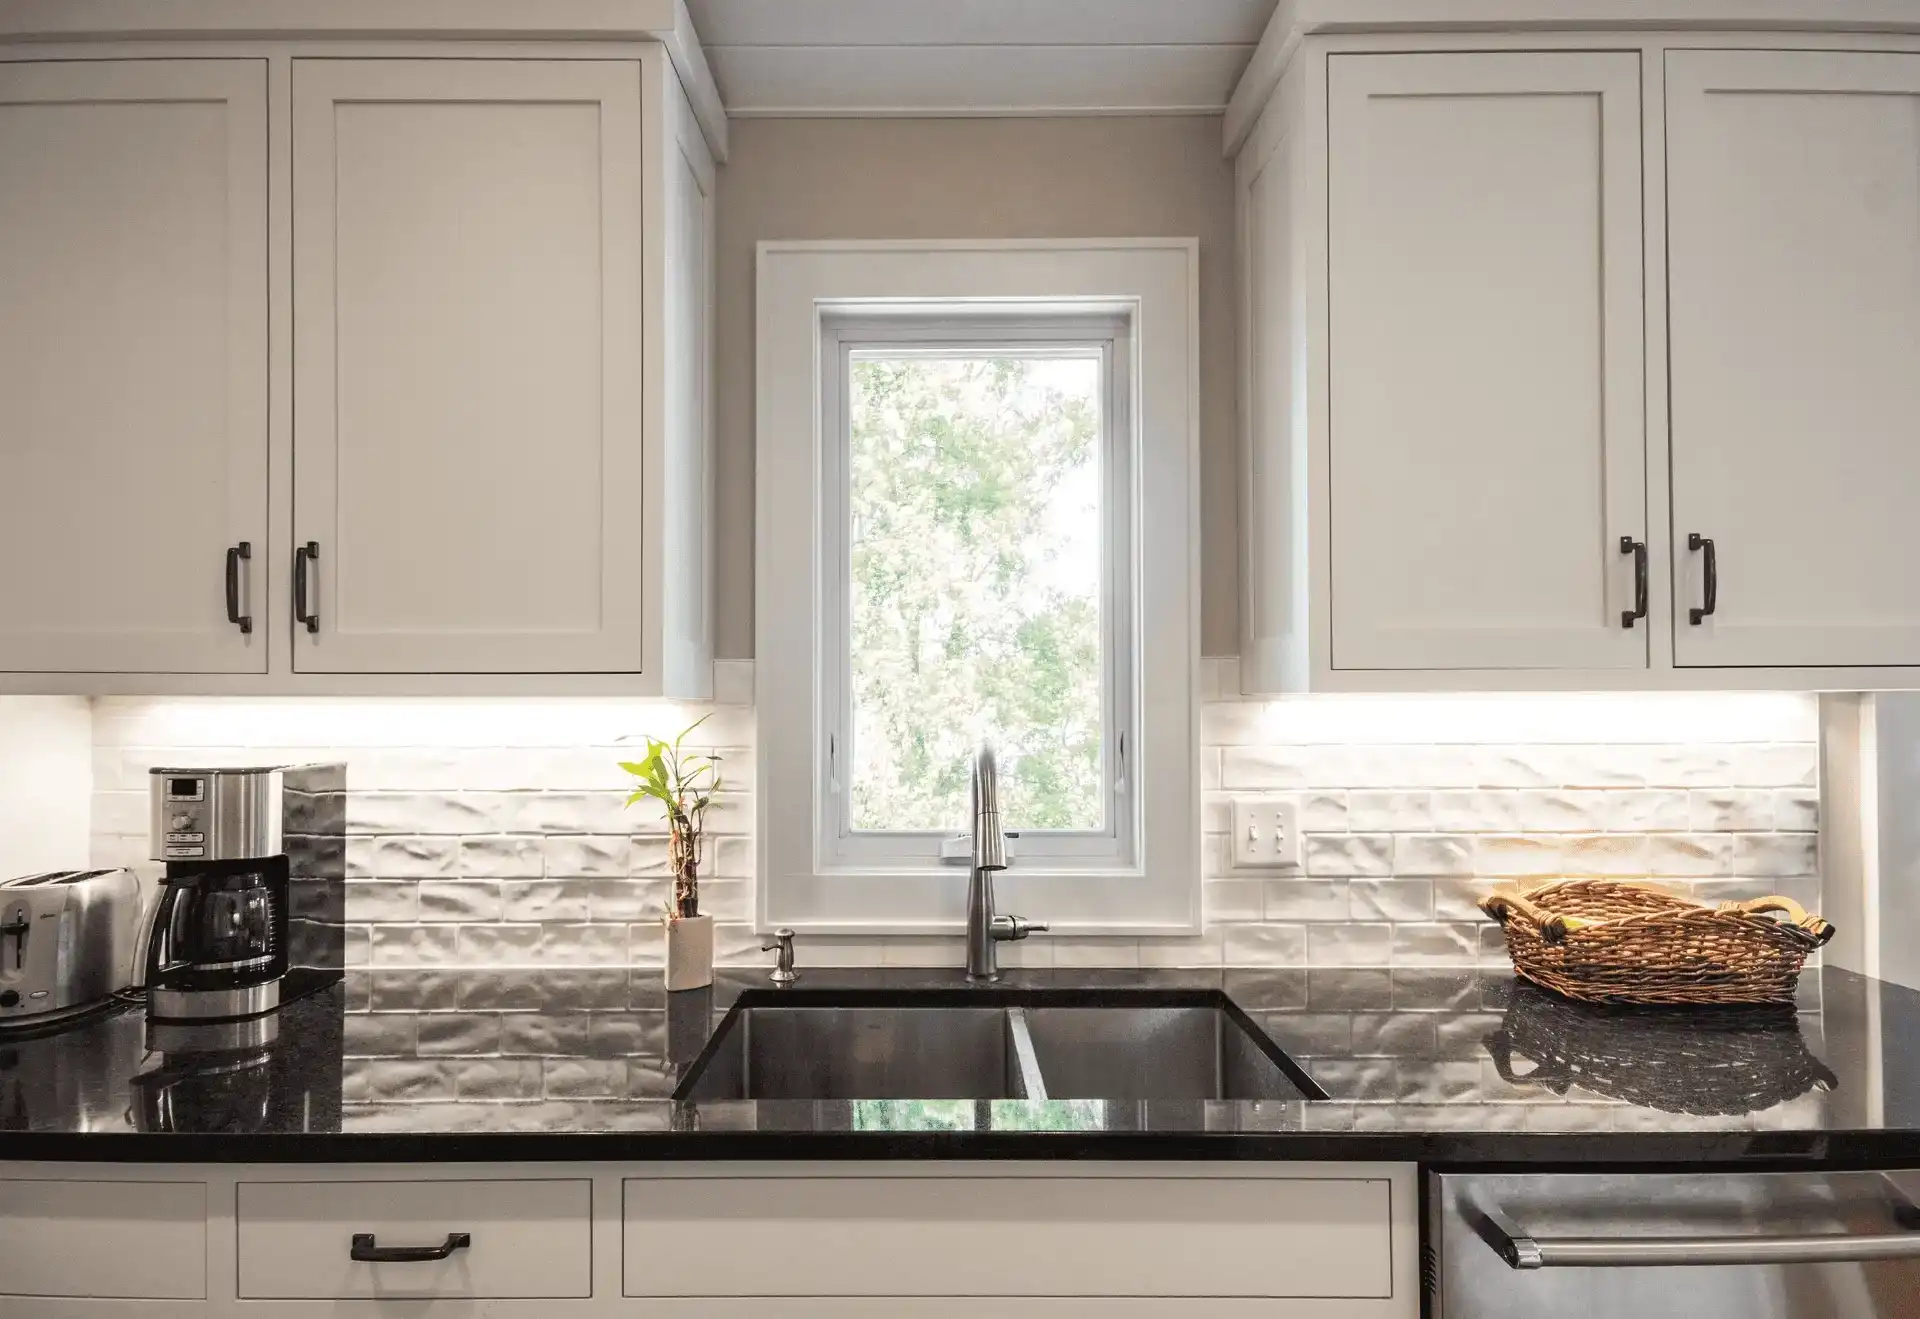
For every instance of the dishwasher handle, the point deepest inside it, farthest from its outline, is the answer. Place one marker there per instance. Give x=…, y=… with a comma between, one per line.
x=1523, y=1251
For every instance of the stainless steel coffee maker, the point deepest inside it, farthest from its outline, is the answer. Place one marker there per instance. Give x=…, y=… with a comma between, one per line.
x=251, y=913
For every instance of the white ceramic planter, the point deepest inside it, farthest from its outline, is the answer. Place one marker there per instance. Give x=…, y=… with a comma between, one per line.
x=690, y=952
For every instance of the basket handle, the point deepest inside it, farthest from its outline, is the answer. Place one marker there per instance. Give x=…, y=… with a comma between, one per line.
x=1821, y=931
x=1552, y=928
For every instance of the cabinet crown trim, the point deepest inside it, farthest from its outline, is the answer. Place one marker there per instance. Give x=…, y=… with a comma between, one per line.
x=1296, y=20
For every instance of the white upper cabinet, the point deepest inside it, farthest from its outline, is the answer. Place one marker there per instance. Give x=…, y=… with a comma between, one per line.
x=468, y=422
x=133, y=366
x=1794, y=281
x=1486, y=443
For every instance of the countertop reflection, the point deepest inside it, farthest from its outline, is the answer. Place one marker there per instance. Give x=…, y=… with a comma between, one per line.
x=1431, y=1065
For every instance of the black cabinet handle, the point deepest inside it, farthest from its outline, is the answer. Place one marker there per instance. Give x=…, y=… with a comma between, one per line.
x=1638, y=549
x=365, y=1251
x=303, y=556
x=1695, y=541
x=236, y=553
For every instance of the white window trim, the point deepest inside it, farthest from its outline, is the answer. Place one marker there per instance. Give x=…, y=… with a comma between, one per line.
x=1154, y=284
x=1118, y=844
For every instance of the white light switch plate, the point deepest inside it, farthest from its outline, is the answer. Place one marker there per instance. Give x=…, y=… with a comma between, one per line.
x=1266, y=833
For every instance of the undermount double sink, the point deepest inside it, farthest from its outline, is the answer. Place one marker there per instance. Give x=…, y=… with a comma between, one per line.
x=991, y=1043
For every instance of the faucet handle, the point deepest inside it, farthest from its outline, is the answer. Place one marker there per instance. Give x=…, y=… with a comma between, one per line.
x=783, y=972
x=1008, y=928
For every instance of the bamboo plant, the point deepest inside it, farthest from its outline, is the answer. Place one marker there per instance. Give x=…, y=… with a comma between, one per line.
x=684, y=783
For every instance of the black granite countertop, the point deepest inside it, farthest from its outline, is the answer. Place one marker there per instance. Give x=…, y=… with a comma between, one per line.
x=1436, y=1066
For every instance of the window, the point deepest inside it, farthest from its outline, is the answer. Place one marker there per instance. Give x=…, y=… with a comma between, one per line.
x=975, y=521
x=977, y=477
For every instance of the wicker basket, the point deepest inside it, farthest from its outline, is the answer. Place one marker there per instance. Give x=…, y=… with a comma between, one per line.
x=1602, y=941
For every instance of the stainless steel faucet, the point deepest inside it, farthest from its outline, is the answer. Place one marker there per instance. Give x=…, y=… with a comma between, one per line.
x=984, y=929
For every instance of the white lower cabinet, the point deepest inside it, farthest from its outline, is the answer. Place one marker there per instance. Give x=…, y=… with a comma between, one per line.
x=1099, y=1233
x=101, y=1240
x=481, y=1240
x=713, y=1241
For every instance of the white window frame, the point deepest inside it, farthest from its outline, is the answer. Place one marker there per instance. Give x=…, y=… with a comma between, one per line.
x=1035, y=334
x=813, y=298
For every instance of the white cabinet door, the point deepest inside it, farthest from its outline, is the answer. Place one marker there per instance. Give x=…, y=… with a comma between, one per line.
x=467, y=408
x=1794, y=286
x=133, y=364
x=1487, y=438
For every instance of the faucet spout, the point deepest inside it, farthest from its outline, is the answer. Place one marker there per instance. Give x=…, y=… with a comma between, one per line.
x=989, y=842
x=985, y=930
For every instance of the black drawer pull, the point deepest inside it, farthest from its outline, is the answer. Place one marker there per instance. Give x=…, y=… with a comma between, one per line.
x=365, y=1251
x=303, y=556
x=1697, y=542
x=1638, y=549
x=244, y=550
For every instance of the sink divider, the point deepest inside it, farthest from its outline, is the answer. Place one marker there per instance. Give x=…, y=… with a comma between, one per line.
x=1031, y=1079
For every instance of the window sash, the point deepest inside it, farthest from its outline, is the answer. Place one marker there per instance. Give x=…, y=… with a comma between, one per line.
x=839, y=846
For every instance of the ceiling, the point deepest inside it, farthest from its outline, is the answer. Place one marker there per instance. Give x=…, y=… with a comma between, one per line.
x=853, y=57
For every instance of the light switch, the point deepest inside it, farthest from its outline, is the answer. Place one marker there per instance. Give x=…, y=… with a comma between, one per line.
x=1266, y=833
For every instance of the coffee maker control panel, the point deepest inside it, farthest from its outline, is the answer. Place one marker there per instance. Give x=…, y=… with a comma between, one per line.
x=182, y=807
x=215, y=814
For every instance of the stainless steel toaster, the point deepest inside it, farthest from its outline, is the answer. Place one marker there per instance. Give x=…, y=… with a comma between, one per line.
x=67, y=942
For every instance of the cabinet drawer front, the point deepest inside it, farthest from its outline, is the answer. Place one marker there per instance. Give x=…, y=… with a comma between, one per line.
x=998, y=1236
x=121, y=1240
x=526, y=1239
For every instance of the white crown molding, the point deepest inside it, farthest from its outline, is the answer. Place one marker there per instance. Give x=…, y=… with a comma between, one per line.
x=132, y=20
x=664, y=21
x=1295, y=20
x=696, y=77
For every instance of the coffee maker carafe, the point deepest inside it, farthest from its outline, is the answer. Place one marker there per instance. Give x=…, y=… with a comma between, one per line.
x=250, y=914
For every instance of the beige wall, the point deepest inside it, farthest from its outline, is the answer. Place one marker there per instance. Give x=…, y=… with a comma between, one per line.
x=975, y=178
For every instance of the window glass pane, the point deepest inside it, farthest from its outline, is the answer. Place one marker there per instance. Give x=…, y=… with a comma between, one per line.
x=976, y=555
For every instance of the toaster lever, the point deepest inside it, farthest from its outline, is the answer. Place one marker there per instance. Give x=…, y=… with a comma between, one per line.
x=16, y=930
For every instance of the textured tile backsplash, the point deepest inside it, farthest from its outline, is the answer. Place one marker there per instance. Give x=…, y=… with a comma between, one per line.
x=490, y=833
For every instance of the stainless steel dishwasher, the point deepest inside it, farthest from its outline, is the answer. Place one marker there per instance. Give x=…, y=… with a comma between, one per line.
x=1674, y=1246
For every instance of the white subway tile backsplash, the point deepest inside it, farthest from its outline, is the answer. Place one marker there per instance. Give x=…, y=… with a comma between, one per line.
x=1324, y=812
x=457, y=900
x=499, y=945
x=1352, y=944
x=1231, y=901
x=382, y=901
x=581, y=944
x=1475, y=811
x=496, y=832
x=1348, y=854
x=502, y=857
x=1659, y=810
x=1793, y=766
x=589, y=855
x=1796, y=810
x=1432, y=854
x=545, y=900
x=1302, y=899
x=401, y=857
x=1391, y=899
x=1776, y=854
x=647, y=944
x=1265, y=945
x=624, y=901
x=1684, y=855
x=1372, y=811
x=1435, y=945
x=1730, y=809
x=1263, y=767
